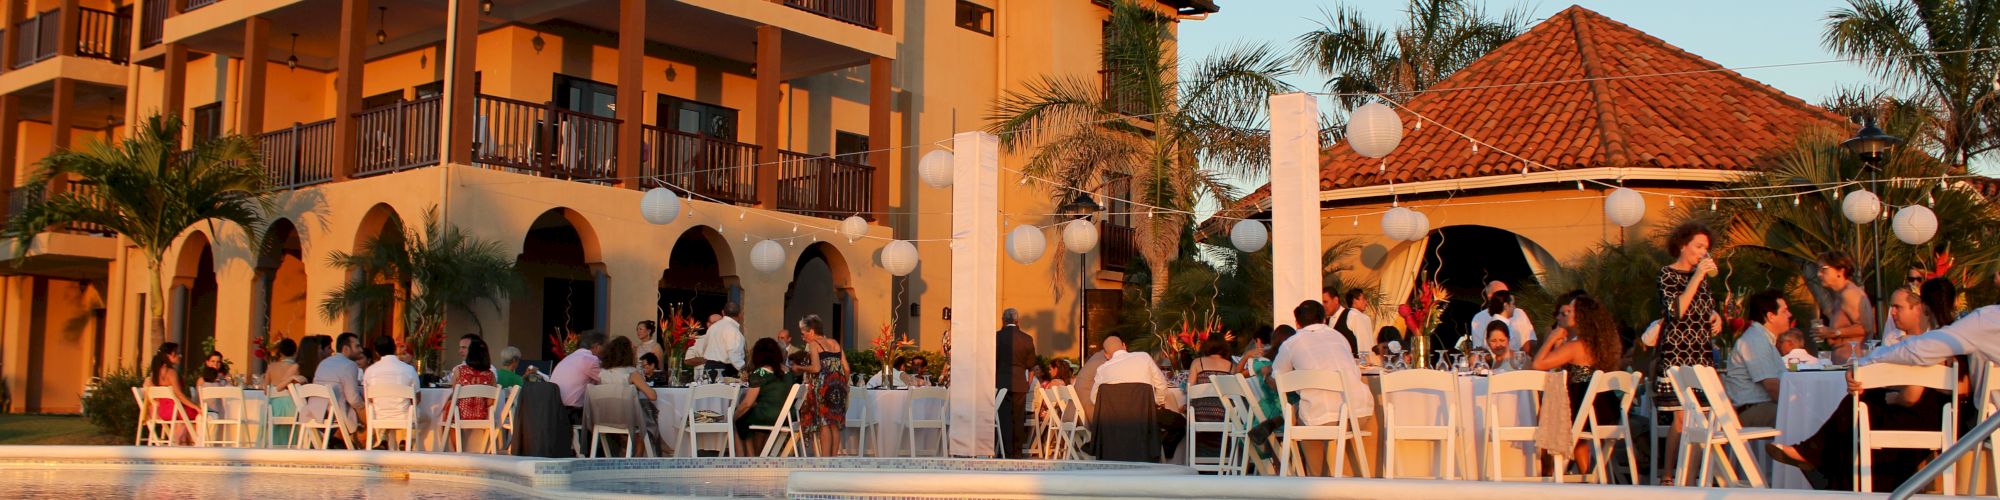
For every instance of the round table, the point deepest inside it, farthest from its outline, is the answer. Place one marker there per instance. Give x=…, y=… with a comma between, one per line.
x=1805, y=400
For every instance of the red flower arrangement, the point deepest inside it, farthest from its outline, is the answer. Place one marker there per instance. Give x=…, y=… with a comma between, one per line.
x=677, y=331
x=563, y=344
x=888, y=342
x=1420, y=318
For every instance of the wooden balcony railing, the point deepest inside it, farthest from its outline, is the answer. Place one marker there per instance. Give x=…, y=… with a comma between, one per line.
x=398, y=136
x=823, y=186
x=100, y=35
x=856, y=12
x=542, y=139
x=1120, y=247
x=298, y=156
x=196, y=4
x=152, y=23
x=21, y=197
x=1122, y=101
x=699, y=166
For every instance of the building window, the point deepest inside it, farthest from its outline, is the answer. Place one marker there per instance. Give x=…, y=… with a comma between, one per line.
x=429, y=90
x=208, y=122
x=383, y=99
x=586, y=96
x=697, y=118
x=975, y=17
x=851, y=147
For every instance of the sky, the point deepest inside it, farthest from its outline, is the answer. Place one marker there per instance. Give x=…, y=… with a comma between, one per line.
x=1734, y=34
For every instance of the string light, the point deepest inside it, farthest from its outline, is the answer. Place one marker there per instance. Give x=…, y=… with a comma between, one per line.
x=1795, y=200
x=1670, y=202
x=1357, y=221
x=1579, y=184
x=1760, y=203
x=1711, y=204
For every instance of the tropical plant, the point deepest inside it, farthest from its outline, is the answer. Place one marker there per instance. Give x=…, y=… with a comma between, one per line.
x=110, y=406
x=426, y=275
x=1939, y=53
x=1174, y=135
x=149, y=192
x=1438, y=38
x=1225, y=287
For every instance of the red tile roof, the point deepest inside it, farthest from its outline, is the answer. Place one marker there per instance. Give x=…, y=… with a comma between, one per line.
x=1697, y=116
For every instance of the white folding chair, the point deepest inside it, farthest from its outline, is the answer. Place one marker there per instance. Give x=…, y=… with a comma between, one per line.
x=1712, y=428
x=940, y=420
x=273, y=421
x=511, y=397
x=1942, y=378
x=1235, y=433
x=1253, y=389
x=725, y=426
x=164, y=426
x=1527, y=386
x=1339, y=433
x=456, y=424
x=1031, y=411
x=1197, y=427
x=860, y=418
x=786, y=425
x=1606, y=437
x=1440, y=428
x=221, y=407
x=385, y=424
x=614, y=410
x=1072, y=429
x=1000, y=424
x=141, y=435
x=329, y=420
x=1989, y=404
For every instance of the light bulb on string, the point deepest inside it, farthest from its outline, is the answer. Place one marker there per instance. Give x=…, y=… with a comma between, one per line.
x=1711, y=205
x=1760, y=203
x=746, y=237
x=795, y=228
x=1795, y=200
x=741, y=214
x=1357, y=221
x=1579, y=185
x=1930, y=199
x=1670, y=202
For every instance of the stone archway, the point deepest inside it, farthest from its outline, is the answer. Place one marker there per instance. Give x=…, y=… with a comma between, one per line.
x=1463, y=258
x=282, y=303
x=381, y=226
x=192, y=306
x=564, y=283
x=701, y=274
x=821, y=285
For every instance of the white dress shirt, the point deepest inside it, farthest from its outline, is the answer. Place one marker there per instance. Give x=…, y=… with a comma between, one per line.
x=1977, y=333
x=1363, y=327
x=387, y=372
x=343, y=377
x=724, y=342
x=1520, y=330
x=1318, y=347
x=1132, y=367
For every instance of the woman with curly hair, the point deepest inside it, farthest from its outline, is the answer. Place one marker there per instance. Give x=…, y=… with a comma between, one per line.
x=1591, y=346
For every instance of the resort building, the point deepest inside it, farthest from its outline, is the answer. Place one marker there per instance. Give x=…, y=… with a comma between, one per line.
x=534, y=124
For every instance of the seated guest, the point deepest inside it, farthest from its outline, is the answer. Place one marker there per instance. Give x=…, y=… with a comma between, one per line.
x=1751, y=376
x=308, y=358
x=1795, y=340
x=339, y=374
x=918, y=371
x=891, y=376
x=1060, y=374
x=1254, y=359
x=510, y=361
x=464, y=346
x=1898, y=408
x=649, y=369
x=217, y=363
x=578, y=370
x=620, y=370
x=765, y=396
x=477, y=370
x=278, y=380
x=1134, y=367
x=1591, y=346
x=1504, y=357
x=1319, y=347
x=389, y=370
x=163, y=374
x=1499, y=305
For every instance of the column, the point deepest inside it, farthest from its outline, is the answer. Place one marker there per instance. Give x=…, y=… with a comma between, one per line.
x=174, y=96
x=71, y=20
x=631, y=89
x=769, y=49
x=1295, y=231
x=880, y=77
x=347, y=87
x=461, y=65
x=975, y=272
x=61, y=120
x=256, y=59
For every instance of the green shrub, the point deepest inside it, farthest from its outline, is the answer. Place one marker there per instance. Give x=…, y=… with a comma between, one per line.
x=110, y=406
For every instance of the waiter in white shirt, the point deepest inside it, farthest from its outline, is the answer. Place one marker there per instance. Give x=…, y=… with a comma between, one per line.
x=1353, y=322
x=1319, y=347
x=722, y=347
x=1520, y=329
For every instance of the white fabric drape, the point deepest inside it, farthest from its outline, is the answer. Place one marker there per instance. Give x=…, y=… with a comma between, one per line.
x=1398, y=276
x=1538, y=259
x=975, y=271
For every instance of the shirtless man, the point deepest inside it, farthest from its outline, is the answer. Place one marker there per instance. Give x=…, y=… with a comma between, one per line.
x=1849, y=317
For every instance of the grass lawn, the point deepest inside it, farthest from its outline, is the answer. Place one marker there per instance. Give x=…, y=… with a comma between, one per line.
x=53, y=430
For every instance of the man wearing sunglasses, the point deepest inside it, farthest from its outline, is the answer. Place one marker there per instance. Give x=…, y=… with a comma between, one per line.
x=1913, y=280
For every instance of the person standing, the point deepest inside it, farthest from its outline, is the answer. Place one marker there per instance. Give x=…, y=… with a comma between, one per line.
x=826, y=369
x=1353, y=320
x=1850, y=319
x=1689, y=319
x=1015, y=350
x=722, y=347
x=649, y=340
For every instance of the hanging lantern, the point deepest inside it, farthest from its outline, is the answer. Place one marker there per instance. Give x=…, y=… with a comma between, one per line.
x=1249, y=235
x=1025, y=244
x=853, y=227
x=1915, y=224
x=1861, y=206
x=899, y=258
x=767, y=256
x=1624, y=207
x=1374, y=130
x=1400, y=224
x=1423, y=225
x=1079, y=236
x=935, y=168
x=659, y=206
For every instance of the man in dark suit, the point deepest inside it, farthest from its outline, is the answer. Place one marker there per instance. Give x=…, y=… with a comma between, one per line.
x=1014, y=351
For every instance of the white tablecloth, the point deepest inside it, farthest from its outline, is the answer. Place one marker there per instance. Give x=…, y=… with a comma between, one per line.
x=889, y=411
x=430, y=404
x=1417, y=459
x=1805, y=400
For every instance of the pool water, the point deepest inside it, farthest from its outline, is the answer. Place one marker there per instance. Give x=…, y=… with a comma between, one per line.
x=729, y=486
x=265, y=485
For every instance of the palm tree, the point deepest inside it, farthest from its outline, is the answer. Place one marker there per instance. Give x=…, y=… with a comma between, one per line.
x=1174, y=135
x=426, y=275
x=1939, y=52
x=149, y=192
x=1439, y=37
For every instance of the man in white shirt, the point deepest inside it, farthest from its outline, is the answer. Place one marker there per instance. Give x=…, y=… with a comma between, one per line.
x=1319, y=347
x=1520, y=329
x=722, y=347
x=1755, y=364
x=389, y=371
x=1129, y=367
x=1353, y=322
x=339, y=374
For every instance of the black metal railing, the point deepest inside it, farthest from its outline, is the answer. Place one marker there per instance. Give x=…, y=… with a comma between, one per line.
x=1122, y=99
x=856, y=12
x=196, y=4
x=20, y=197
x=398, y=136
x=700, y=166
x=100, y=35
x=36, y=38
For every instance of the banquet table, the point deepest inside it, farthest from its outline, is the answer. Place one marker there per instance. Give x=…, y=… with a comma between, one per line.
x=1805, y=400
x=1418, y=459
x=430, y=406
x=888, y=407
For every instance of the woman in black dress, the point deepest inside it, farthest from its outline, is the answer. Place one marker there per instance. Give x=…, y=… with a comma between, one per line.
x=1688, y=317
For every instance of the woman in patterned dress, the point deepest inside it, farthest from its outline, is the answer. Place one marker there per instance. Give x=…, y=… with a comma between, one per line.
x=828, y=373
x=1689, y=319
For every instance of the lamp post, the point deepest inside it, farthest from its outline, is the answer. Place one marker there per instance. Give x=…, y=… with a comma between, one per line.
x=1081, y=207
x=1872, y=146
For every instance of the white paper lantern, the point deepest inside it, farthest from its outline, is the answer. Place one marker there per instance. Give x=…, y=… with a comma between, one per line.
x=1915, y=224
x=1025, y=244
x=767, y=256
x=1400, y=224
x=1624, y=207
x=659, y=206
x=899, y=258
x=1423, y=225
x=935, y=168
x=1079, y=236
x=1374, y=130
x=1249, y=235
x=853, y=227
x=1861, y=206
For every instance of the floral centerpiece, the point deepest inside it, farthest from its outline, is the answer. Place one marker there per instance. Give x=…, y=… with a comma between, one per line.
x=424, y=346
x=1421, y=316
x=678, y=331
x=885, y=345
x=563, y=342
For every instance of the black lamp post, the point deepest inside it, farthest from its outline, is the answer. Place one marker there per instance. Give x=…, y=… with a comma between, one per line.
x=1081, y=208
x=1871, y=144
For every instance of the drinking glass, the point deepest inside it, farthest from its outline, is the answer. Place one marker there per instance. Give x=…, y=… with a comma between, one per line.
x=1825, y=359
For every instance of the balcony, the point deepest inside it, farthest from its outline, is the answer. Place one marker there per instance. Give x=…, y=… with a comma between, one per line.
x=152, y=24
x=196, y=4
x=824, y=186
x=299, y=156
x=1120, y=246
x=1122, y=101
x=700, y=167
x=544, y=140
x=398, y=136
x=23, y=196
x=856, y=12
x=100, y=35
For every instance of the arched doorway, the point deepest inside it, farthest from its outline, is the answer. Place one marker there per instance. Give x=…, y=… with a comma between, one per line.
x=382, y=229
x=1464, y=258
x=281, y=284
x=564, y=281
x=700, y=275
x=194, y=299
x=820, y=286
